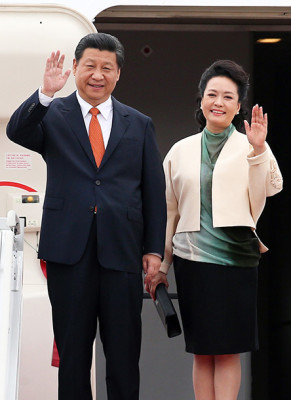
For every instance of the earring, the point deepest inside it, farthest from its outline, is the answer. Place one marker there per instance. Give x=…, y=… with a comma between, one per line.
x=237, y=112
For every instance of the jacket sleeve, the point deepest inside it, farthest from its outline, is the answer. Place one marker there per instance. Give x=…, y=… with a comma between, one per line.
x=153, y=193
x=25, y=127
x=265, y=180
x=172, y=215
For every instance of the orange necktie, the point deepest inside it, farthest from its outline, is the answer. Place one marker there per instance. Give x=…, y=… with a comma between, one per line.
x=96, y=137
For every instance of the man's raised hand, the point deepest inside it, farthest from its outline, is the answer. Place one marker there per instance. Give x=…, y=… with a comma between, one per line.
x=54, y=79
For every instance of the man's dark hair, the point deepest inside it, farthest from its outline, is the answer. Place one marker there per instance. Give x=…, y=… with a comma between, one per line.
x=236, y=73
x=101, y=41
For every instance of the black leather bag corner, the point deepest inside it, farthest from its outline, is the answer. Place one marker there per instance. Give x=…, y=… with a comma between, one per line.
x=167, y=311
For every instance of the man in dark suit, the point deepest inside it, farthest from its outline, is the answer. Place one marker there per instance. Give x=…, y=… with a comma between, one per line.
x=104, y=215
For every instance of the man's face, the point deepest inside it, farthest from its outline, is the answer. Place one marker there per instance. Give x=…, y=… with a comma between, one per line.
x=96, y=75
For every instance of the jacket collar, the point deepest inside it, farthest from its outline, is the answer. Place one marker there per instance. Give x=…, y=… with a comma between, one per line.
x=120, y=124
x=73, y=115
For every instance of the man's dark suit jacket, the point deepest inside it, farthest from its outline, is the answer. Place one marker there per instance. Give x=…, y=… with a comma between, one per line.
x=128, y=187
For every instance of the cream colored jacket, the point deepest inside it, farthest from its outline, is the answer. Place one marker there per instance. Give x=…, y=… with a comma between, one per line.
x=241, y=182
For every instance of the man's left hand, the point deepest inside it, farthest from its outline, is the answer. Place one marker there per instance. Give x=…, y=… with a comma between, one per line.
x=151, y=265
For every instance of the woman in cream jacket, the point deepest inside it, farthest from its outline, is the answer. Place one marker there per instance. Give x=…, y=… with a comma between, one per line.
x=217, y=182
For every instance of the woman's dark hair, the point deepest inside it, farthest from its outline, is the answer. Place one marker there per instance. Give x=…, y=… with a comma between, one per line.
x=234, y=72
x=101, y=41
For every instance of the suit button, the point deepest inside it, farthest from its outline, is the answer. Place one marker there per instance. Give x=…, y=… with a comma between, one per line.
x=31, y=107
x=98, y=183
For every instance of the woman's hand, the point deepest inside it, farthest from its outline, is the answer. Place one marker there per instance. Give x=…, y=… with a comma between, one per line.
x=257, y=131
x=53, y=78
x=160, y=277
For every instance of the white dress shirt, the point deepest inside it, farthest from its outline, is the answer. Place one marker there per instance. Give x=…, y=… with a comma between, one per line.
x=104, y=117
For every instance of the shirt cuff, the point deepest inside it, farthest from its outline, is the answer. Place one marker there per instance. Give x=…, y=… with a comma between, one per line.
x=43, y=99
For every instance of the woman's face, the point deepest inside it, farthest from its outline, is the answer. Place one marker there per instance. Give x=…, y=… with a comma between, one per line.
x=220, y=103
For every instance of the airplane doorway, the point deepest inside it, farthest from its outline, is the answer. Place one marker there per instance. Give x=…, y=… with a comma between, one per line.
x=167, y=49
x=272, y=85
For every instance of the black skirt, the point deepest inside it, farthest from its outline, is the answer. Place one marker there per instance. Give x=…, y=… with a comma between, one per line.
x=218, y=306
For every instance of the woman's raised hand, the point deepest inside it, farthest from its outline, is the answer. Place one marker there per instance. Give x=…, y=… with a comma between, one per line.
x=54, y=79
x=257, y=130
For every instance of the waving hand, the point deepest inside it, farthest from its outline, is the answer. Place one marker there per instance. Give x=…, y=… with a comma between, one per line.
x=54, y=79
x=257, y=130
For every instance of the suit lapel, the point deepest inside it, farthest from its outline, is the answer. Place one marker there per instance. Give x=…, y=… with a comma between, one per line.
x=73, y=116
x=120, y=124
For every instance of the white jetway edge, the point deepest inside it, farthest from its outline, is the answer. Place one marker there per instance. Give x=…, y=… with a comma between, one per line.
x=11, y=270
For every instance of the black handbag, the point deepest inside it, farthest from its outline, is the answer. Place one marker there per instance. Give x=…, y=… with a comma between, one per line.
x=167, y=311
